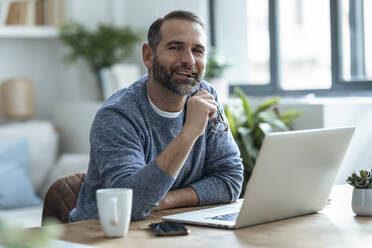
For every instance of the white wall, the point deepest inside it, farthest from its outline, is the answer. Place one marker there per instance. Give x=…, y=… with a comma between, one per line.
x=73, y=124
x=40, y=60
x=359, y=115
x=34, y=59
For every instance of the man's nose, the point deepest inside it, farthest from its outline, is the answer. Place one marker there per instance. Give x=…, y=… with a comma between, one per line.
x=187, y=57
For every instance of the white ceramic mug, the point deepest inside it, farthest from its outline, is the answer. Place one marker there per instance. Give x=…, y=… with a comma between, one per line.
x=114, y=210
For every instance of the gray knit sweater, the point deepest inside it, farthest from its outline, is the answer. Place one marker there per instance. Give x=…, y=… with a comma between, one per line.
x=126, y=137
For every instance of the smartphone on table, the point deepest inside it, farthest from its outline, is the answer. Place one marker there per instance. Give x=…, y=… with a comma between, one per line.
x=167, y=228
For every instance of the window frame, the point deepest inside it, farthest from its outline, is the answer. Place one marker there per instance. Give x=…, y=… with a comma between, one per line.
x=339, y=86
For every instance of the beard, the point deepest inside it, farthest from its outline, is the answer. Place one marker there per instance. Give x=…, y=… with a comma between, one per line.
x=181, y=87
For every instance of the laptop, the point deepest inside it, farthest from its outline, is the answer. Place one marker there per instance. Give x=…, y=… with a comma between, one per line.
x=293, y=176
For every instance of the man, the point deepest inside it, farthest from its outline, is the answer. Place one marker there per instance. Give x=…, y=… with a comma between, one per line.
x=156, y=137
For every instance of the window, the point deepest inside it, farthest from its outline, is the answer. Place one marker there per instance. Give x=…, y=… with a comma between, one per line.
x=356, y=25
x=305, y=52
x=258, y=60
x=296, y=46
x=242, y=36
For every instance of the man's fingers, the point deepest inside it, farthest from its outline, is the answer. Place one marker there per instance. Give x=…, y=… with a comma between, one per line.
x=212, y=108
x=209, y=102
x=204, y=94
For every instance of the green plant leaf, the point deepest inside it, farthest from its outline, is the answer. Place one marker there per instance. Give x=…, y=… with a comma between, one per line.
x=363, y=180
x=278, y=125
x=265, y=128
x=248, y=164
x=251, y=130
x=246, y=107
x=356, y=177
x=232, y=122
x=245, y=134
x=248, y=160
x=216, y=65
x=363, y=174
x=269, y=103
x=100, y=48
x=288, y=116
x=259, y=133
x=275, y=123
x=103, y=47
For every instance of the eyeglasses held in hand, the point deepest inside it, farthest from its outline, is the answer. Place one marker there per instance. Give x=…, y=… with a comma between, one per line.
x=218, y=124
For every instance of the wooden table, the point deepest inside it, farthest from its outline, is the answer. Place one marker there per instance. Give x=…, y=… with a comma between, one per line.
x=335, y=226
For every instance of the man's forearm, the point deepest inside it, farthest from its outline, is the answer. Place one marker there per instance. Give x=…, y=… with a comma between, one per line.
x=200, y=108
x=184, y=197
x=172, y=158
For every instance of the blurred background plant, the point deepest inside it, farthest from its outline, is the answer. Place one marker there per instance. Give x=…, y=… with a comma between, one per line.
x=101, y=48
x=361, y=181
x=17, y=237
x=216, y=65
x=249, y=127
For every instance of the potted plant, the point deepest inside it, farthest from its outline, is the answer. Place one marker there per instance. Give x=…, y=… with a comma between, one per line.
x=249, y=127
x=362, y=192
x=216, y=65
x=101, y=48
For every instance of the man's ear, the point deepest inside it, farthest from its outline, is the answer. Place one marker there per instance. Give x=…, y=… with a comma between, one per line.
x=147, y=55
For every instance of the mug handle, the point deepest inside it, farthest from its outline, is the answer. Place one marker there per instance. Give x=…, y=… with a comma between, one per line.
x=114, y=206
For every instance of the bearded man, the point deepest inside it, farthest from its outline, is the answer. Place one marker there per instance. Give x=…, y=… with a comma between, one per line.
x=162, y=135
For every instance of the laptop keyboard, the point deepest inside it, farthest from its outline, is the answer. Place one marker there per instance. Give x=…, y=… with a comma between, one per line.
x=226, y=217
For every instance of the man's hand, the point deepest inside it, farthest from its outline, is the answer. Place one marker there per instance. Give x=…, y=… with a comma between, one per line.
x=200, y=108
x=184, y=197
x=162, y=204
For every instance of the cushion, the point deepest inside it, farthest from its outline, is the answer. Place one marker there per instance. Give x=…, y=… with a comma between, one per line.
x=16, y=189
x=42, y=146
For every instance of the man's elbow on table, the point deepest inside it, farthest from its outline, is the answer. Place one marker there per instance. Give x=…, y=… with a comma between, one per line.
x=139, y=214
x=235, y=195
x=236, y=187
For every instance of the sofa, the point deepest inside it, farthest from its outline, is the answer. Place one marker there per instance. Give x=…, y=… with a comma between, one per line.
x=30, y=162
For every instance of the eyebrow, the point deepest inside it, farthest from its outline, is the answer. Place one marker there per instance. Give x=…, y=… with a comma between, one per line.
x=175, y=42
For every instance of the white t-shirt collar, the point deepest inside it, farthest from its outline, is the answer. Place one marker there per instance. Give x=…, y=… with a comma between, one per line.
x=161, y=112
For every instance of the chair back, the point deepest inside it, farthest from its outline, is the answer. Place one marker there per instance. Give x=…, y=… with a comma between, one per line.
x=62, y=196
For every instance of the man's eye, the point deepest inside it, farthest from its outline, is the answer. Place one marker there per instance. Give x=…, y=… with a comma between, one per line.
x=199, y=51
x=174, y=48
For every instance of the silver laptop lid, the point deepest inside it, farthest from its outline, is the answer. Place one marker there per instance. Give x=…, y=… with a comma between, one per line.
x=294, y=174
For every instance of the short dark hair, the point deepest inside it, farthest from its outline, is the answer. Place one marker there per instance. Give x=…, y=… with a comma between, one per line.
x=154, y=35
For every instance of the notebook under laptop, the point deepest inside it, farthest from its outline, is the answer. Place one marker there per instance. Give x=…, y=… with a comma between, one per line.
x=293, y=175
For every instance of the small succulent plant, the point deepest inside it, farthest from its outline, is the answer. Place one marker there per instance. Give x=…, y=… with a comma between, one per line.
x=362, y=181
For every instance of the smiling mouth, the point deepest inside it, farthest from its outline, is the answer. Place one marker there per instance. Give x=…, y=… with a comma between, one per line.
x=186, y=74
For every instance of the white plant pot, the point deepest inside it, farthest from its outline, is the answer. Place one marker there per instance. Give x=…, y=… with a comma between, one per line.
x=362, y=201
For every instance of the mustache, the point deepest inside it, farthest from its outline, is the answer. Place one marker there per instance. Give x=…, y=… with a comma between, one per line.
x=192, y=69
